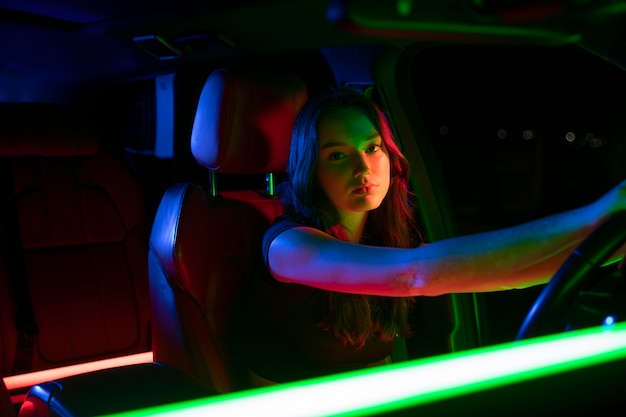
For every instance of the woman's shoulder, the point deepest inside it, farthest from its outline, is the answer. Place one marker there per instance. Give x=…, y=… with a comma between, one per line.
x=280, y=224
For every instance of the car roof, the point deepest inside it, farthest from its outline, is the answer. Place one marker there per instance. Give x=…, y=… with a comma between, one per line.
x=73, y=41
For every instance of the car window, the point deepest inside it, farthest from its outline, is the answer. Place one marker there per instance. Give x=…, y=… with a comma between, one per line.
x=520, y=132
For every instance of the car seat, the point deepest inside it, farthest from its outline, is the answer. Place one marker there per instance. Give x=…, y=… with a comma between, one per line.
x=8, y=338
x=78, y=246
x=7, y=409
x=204, y=239
x=8, y=329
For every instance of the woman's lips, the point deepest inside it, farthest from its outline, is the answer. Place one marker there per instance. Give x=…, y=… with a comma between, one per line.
x=366, y=189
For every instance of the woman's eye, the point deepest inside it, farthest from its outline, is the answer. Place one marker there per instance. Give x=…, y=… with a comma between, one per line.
x=373, y=148
x=335, y=156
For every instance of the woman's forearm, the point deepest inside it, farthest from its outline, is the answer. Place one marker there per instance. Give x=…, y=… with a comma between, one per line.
x=513, y=257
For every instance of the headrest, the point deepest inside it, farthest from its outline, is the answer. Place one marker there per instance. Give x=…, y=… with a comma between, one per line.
x=37, y=129
x=243, y=121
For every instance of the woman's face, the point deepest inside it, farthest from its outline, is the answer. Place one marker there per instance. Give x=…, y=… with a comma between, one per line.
x=353, y=167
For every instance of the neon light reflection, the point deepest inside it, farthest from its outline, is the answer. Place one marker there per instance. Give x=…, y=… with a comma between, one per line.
x=415, y=382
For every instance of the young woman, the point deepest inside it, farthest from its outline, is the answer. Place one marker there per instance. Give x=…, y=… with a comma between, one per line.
x=345, y=262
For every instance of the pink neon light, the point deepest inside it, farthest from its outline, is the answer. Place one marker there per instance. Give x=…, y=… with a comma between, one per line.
x=32, y=378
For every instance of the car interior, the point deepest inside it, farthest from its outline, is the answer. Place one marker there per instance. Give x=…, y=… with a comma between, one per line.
x=141, y=144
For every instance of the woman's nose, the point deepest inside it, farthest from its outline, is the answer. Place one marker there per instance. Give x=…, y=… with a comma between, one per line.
x=361, y=167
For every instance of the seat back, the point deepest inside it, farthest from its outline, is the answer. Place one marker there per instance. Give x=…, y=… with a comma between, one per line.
x=81, y=241
x=7, y=409
x=8, y=329
x=204, y=243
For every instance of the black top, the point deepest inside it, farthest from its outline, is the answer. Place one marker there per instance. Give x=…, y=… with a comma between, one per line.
x=289, y=345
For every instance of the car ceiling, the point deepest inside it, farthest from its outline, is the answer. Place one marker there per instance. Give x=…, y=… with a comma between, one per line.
x=71, y=41
x=81, y=12
x=68, y=42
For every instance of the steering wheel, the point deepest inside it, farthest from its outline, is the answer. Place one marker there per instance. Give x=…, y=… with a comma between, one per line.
x=578, y=272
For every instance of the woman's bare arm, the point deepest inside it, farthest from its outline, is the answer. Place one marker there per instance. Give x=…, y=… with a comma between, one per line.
x=514, y=257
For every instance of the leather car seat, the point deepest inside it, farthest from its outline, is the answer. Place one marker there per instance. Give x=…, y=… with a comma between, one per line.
x=204, y=239
x=8, y=330
x=8, y=338
x=7, y=409
x=80, y=242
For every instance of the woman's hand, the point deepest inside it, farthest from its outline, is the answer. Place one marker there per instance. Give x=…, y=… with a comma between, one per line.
x=611, y=202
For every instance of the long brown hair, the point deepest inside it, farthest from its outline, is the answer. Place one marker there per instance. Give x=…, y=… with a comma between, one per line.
x=352, y=318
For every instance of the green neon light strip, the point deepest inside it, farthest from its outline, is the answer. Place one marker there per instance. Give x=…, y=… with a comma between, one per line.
x=415, y=382
x=467, y=28
x=404, y=22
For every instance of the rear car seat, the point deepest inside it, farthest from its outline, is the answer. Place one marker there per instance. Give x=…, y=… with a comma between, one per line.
x=6, y=406
x=81, y=242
